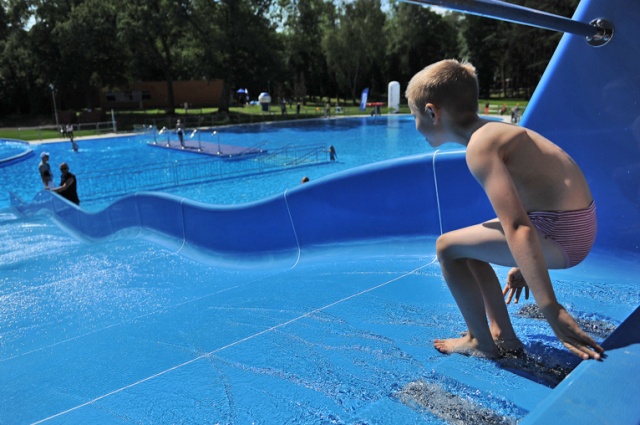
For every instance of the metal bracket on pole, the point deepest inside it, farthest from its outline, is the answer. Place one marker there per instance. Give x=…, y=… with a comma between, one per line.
x=604, y=35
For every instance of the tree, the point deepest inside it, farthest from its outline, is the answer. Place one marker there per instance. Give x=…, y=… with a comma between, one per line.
x=481, y=44
x=293, y=47
x=90, y=56
x=353, y=45
x=154, y=31
x=16, y=62
x=236, y=43
x=503, y=51
x=303, y=29
x=529, y=49
x=417, y=37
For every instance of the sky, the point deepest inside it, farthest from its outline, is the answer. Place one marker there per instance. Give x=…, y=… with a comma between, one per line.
x=386, y=3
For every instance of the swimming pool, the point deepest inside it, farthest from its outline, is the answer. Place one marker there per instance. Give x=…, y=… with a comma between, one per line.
x=357, y=141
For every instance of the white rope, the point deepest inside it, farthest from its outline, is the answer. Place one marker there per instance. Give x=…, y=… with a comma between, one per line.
x=217, y=350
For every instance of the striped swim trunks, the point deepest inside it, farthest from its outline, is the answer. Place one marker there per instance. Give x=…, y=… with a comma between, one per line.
x=574, y=232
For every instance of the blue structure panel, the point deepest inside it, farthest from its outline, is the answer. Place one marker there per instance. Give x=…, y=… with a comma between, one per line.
x=259, y=227
x=124, y=214
x=587, y=103
x=459, y=193
x=161, y=213
x=391, y=198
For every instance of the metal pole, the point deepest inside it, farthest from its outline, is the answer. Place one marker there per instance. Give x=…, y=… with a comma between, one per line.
x=55, y=108
x=216, y=133
x=496, y=9
x=113, y=122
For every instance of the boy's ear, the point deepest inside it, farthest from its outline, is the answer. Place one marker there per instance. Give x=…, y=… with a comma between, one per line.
x=430, y=109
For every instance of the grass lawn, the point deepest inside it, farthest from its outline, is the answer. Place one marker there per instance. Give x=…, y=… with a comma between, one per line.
x=204, y=117
x=29, y=134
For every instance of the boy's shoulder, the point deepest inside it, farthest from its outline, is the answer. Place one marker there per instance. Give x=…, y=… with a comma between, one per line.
x=492, y=142
x=490, y=136
x=499, y=131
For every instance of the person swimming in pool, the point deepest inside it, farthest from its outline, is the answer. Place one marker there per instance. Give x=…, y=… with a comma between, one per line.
x=546, y=216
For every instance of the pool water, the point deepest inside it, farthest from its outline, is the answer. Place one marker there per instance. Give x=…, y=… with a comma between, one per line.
x=10, y=148
x=357, y=141
x=12, y=151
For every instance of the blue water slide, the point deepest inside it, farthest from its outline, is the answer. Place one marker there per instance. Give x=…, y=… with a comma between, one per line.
x=419, y=195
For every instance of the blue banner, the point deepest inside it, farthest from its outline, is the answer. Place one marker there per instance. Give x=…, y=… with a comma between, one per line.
x=363, y=99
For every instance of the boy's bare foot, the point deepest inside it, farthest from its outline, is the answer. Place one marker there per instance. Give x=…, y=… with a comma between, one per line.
x=465, y=345
x=510, y=346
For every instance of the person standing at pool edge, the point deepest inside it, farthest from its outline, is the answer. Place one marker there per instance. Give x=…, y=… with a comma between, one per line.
x=45, y=170
x=180, y=131
x=526, y=177
x=68, y=185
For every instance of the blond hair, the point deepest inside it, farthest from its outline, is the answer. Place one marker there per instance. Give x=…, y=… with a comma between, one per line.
x=448, y=84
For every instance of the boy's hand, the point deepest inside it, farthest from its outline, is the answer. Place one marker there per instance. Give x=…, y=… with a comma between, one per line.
x=570, y=334
x=514, y=286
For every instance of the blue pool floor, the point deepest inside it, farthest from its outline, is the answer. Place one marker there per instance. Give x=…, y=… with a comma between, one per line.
x=128, y=331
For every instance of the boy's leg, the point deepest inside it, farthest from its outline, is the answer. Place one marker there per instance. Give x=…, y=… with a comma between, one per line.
x=475, y=287
x=466, y=291
x=499, y=321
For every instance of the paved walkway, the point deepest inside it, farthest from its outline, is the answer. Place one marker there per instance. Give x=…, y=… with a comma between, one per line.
x=505, y=118
x=66, y=139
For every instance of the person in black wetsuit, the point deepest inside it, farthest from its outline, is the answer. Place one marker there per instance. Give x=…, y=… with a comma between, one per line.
x=68, y=185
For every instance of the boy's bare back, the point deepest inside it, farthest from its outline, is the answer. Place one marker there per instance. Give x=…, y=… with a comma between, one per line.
x=545, y=177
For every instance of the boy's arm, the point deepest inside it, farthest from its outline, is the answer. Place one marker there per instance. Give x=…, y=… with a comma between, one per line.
x=488, y=167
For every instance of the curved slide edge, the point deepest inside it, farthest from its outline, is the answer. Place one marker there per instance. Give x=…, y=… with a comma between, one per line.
x=394, y=198
x=26, y=153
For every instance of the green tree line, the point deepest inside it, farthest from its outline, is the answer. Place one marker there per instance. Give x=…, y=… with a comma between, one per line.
x=291, y=48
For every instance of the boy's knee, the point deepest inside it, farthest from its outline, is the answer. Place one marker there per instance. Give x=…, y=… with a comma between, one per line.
x=444, y=247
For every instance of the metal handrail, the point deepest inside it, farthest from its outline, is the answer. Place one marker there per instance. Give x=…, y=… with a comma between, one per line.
x=253, y=148
x=285, y=150
x=598, y=32
x=161, y=176
x=303, y=159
